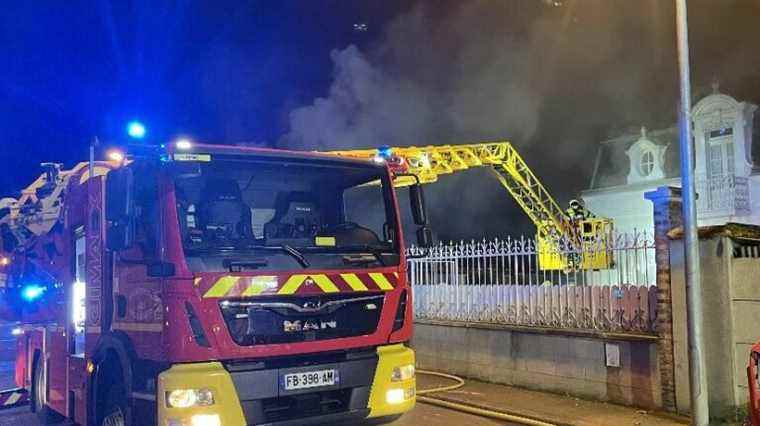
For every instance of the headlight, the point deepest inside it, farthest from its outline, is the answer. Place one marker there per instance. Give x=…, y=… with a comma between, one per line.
x=185, y=398
x=403, y=372
x=398, y=396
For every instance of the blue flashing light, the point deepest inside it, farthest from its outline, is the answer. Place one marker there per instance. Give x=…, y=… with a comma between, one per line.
x=32, y=292
x=136, y=130
x=384, y=151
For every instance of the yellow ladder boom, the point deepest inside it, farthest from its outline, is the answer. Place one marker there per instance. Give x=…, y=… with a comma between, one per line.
x=429, y=162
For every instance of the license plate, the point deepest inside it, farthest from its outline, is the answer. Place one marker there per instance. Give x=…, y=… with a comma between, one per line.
x=310, y=379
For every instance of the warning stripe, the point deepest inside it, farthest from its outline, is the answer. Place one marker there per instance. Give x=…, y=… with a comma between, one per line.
x=354, y=282
x=260, y=284
x=13, y=398
x=247, y=286
x=381, y=281
x=221, y=287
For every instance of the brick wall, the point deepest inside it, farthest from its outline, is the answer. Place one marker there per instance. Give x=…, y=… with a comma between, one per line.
x=667, y=215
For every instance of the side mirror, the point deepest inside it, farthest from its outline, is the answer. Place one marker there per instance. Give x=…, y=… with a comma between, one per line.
x=417, y=203
x=161, y=269
x=120, y=209
x=424, y=237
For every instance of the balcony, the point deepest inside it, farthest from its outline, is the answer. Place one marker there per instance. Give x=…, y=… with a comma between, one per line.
x=724, y=195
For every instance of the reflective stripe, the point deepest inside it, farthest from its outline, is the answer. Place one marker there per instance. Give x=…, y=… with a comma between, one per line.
x=354, y=282
x=259, y=284
x=222, y=287
x=292, y=284
x=381, y=281
x=325, y=283
x=248, y=286
x=15, y=396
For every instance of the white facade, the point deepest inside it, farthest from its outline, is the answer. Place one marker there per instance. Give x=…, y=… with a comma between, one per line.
x=728, y=191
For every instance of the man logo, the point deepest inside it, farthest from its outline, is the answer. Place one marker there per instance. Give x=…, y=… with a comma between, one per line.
x=308, y=325
x=309, y=282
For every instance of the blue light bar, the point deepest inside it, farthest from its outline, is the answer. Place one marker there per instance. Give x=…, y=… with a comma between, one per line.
x=32, y=292
x=384, y=151
x=136, y=130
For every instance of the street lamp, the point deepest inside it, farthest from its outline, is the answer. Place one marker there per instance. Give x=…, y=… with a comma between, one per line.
x=700, y=414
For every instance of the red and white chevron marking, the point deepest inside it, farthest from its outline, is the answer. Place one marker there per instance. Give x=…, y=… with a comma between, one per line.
x=13, y=398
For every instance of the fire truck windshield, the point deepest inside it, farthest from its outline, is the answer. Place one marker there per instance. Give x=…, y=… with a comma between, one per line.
x=277, y=214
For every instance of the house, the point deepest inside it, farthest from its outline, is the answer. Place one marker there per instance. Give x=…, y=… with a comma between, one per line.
x=727, y=181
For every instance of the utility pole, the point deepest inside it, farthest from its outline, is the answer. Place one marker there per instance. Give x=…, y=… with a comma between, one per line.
x=700, y=415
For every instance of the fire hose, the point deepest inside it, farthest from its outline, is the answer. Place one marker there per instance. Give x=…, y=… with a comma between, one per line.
x=423, y=396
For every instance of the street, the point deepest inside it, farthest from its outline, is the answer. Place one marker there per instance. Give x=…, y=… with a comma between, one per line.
x=422, y=414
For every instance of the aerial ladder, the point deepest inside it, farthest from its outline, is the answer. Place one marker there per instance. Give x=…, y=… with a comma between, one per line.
x=564, y=243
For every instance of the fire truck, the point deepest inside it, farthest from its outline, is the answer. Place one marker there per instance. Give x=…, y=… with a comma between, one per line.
x=212, y=285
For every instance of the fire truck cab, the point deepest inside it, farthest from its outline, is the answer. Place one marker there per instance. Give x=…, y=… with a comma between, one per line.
x=213, y=285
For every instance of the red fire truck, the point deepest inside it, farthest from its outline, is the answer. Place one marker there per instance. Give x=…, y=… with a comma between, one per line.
x=212, y=285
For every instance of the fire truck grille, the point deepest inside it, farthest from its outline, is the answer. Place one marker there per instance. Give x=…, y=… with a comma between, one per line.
x=291, y=319
x=265, y=398
x=307, y=405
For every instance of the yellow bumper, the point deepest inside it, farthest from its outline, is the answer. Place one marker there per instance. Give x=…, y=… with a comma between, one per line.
x=382, y=386
x=386, y=397
x=226, y=409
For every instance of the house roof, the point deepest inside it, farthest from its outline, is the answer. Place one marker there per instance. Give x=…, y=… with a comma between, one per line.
x=613, y=165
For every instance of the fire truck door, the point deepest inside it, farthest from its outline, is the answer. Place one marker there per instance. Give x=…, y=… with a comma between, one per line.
x=77, y=366
x=65, y=362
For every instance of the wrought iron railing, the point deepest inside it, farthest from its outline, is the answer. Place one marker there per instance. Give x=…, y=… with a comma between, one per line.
x=723, y=195
x=501, y=281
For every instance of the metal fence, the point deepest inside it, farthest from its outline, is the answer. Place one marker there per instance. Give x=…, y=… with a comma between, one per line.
x=501, y=281
x=723, y=195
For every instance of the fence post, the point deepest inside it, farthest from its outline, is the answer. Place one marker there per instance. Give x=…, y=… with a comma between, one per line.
x=667, y=215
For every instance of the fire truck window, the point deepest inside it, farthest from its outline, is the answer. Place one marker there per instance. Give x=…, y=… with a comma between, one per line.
x=146, y=197
x=330, y=213
x=78, y=293
x=360, y=207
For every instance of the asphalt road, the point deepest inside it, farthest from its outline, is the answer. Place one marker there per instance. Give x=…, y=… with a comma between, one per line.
x=423, y=414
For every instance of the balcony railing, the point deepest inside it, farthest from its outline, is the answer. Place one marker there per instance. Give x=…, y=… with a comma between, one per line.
x=725, y=195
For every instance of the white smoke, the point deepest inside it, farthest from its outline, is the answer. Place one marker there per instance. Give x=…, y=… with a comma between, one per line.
x=453, y=79
x=464, y=72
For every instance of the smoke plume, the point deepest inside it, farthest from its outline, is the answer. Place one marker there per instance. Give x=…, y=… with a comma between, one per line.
x=552, y=77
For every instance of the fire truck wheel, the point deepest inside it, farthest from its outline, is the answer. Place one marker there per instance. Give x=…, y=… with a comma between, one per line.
x=44, y=414
x=115, y=409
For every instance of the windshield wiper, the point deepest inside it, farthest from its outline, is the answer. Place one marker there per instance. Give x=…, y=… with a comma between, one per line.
x=295, y=254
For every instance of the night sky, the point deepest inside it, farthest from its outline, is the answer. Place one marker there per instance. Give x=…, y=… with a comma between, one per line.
x=235, y=71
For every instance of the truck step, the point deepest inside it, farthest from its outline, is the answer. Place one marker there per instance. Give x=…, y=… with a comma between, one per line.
x=13, y=398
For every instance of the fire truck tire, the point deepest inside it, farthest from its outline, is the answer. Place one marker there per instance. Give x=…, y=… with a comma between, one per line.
x=115, y=409
x=45, y=414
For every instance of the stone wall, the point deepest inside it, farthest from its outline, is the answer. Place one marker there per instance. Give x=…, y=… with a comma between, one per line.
x=731, y=307
x=557, y=362
x=745, y=301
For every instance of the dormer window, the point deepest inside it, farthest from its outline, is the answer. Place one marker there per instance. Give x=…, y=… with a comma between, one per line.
x=646, y=158
x=646, y=163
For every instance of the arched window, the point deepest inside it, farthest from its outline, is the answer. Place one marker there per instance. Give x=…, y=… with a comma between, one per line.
x=646, y=163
